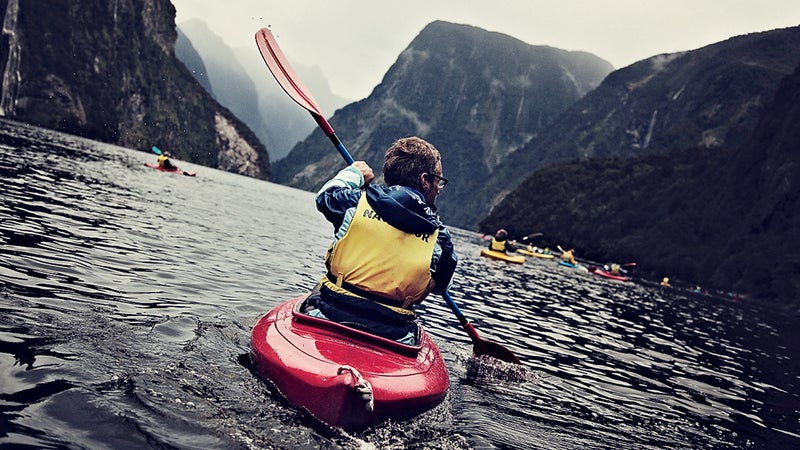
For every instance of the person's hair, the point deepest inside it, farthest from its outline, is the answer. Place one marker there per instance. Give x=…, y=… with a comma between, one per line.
x=407, y=159
x=501, y=235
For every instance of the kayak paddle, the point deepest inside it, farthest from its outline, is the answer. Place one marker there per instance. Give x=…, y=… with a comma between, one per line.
x=480, y=346
x=156, y=150
x=287, y=78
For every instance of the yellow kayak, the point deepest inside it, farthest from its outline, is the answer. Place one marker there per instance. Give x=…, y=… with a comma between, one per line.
x=502, y=256
x=536, y=254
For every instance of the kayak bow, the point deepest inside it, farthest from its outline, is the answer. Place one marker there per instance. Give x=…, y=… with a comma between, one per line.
x=502, y=256
x=526, y=252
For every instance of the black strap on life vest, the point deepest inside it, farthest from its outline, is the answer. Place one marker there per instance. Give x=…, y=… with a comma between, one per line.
x=368, y=295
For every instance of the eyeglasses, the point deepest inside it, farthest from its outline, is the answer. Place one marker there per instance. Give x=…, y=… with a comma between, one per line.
x=442, y=181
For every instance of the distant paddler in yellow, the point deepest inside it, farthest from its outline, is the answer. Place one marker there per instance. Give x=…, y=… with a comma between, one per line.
x=500, y=246
x=500, y=242
x=569, y=256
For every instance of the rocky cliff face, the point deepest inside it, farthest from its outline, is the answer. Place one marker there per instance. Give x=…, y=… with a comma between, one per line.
x=707, y=98
x=726, y=219
x=106, y=70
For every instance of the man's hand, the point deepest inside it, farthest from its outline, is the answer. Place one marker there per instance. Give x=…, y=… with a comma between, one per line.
x=365, y=170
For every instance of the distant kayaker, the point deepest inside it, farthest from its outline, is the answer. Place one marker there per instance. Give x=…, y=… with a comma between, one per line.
x=665, y=282
x=164, y=162
x=569, y=256
x=500, y=242
x=390, y=249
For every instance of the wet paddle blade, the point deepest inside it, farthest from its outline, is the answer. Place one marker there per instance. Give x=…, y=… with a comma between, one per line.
x=495, y=350
x=283, y=72
x=481, y=346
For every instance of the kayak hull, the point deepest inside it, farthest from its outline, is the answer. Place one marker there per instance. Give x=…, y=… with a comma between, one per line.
x=317, y=364
x=502, y=256
x=176, y=170
x=609, y=275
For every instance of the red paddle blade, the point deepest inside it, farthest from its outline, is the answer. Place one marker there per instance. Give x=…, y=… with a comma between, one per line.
x=481, y=347
x=495, y=350
x=283, y=71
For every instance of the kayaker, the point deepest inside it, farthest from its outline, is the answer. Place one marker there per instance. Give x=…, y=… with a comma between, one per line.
x=500, y=242
x=665, y=282
x=390, y=249
x=164, y=162
x=569, y=256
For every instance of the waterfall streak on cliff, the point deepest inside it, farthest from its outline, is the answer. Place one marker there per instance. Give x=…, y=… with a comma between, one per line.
x=11, y=76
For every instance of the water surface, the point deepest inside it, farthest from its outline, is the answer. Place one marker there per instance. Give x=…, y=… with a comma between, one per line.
x=127, y=296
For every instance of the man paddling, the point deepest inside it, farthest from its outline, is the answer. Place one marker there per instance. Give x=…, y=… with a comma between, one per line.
x=165, y=163
x=569, y=256
x=500, y=242
x=390, y=248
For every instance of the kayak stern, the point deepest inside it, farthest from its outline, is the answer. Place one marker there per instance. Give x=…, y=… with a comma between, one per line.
x=344, y=377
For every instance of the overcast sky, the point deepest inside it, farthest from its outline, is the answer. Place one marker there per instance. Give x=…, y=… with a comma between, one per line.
x=354, y=42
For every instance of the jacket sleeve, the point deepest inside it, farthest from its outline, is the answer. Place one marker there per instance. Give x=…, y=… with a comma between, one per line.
x=443, y=264
x=339, y=194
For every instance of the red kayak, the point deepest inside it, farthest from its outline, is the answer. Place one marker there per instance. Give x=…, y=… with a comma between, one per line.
x=175, y=170
x=603, y=273
x=331, y=369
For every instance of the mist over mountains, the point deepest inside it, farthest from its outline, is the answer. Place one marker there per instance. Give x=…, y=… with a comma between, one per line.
x=239, y=80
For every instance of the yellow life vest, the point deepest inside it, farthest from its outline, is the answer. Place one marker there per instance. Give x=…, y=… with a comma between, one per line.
x=161, y=159
x=377, y=258
x=498, y=246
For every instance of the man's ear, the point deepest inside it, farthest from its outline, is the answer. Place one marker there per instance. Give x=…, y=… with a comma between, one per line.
x=424, y=182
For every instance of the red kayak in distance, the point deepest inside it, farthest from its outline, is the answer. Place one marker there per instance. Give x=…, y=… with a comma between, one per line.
x=330, y=369
x=603, y=273
x=176, y=170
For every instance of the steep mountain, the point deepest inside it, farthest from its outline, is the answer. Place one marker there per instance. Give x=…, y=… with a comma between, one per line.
x=186, y=53
x=478, y=96
x=706, y=98
x=762, y=187
x=107, y=71
x=239, y=79
x=726, y=219
x=230, y=84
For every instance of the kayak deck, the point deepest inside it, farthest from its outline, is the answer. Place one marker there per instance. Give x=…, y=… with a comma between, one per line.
x=502, y=256
x=318, y=365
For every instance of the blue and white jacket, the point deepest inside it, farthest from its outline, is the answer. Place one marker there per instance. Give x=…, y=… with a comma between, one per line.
x=402, y=207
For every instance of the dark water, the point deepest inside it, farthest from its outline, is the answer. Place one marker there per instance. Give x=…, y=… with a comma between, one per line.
x=127, y=296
